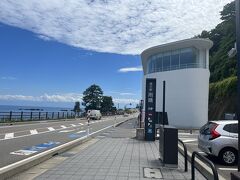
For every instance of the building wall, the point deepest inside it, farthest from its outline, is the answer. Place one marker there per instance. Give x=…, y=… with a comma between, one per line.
x=186, y=96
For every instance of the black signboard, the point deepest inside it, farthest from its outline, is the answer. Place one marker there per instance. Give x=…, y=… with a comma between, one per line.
x=150, y=103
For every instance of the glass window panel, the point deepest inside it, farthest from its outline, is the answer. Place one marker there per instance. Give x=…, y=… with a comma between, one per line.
x=159, y=63
x=186, y=57
x=175, y=60
x=154, y=65
x=166, y=61
x=150, y=65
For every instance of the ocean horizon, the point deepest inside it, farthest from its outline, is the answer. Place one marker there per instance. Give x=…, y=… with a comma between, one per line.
x=7, y=108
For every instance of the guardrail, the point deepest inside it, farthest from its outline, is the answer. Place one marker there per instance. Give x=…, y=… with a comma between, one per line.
x=185, y=155
x=204, y=159
x=12, y=116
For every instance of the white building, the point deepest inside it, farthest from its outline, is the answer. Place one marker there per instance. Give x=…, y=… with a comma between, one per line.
x=184, y=65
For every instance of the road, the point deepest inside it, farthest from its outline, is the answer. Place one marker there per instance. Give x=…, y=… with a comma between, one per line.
x=192, y=145
x=18, y=142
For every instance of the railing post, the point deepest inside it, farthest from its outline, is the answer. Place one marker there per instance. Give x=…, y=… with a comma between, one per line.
x=63, y=115
x=185, y=155
x=39, y=115
x=46, y=115
x=193, y=166
x=31, y=116
x=52, y=115
x=58, y=115
x=10, y=116
x=67, y=115
x=21, y=118
x=213, y=168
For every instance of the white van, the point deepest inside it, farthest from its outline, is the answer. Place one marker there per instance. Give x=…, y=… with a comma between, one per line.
x=94, y=114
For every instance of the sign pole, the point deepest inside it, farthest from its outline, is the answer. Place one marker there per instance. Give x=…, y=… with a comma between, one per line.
x=237, y=4
x=163, y=112
x=88, y=127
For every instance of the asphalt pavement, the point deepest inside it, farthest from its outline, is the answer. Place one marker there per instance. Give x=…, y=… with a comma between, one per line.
x=18, y=142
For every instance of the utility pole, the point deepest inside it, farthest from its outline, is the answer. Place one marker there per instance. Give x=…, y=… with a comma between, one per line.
x=237, y=6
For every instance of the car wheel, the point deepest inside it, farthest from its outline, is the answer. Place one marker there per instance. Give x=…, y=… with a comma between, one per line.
x=228, y=156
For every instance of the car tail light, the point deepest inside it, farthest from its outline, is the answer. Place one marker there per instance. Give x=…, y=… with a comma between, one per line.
x=214, y=133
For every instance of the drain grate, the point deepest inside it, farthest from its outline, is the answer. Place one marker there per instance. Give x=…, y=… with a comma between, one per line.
x=153, y=173
x=66, y=154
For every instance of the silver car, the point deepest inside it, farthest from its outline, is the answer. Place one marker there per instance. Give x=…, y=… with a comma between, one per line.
x=220, y=138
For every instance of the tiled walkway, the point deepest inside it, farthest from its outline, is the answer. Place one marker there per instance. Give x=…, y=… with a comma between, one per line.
x=116, y=155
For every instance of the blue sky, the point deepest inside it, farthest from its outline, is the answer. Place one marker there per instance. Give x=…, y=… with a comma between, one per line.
x=51, y=51
x=31, y=66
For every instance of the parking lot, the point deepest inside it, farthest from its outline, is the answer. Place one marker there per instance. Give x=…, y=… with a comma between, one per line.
x=191, y=142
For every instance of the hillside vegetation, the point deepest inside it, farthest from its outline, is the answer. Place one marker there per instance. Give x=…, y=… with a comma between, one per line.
x=223, y=81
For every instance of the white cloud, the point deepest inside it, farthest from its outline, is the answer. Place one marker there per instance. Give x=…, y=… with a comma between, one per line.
x=115, y=26
x=130, y=69
x=121, y=93
x=8, y=78
x=70, y=97
x=57, y=98
x=125, y=101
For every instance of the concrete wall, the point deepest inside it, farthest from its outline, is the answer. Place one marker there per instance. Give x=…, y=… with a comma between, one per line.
x=186, y=96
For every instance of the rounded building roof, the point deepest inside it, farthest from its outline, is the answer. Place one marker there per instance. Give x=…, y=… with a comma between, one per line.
x=198, y=43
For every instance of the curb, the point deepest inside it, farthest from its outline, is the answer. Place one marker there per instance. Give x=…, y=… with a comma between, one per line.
x=20, y=166
x=199, y=165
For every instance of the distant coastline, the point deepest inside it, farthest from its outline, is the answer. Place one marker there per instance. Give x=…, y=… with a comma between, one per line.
x=7, y=108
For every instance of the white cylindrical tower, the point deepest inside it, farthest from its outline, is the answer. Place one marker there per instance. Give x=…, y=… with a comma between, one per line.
x=184, y=65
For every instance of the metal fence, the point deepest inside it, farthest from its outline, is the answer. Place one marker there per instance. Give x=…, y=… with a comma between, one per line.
x=12, y=116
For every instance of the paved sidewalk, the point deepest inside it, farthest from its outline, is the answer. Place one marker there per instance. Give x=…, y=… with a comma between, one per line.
x=116, y=155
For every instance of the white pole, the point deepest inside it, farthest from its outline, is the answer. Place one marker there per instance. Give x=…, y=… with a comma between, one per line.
x=88, y=128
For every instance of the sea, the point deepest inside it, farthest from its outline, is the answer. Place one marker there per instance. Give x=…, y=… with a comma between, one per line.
x=7, y=108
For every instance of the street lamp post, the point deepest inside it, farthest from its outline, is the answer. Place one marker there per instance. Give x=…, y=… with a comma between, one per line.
x=237, y=4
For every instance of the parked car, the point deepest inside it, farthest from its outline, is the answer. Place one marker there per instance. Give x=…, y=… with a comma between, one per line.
x=220, y=139
x=94, y=114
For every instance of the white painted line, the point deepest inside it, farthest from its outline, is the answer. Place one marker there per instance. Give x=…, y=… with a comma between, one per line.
x=228, y=169
x=35, y=134
x=9, y=135
x=73, y=125
x=32, y=124
x=33, y=131
x=80, y=124
x=189, y=140
x=23, y=152
x=70, y=130
x=80, y=132
x=62, y=126
x=2, y=169
x=51, y=129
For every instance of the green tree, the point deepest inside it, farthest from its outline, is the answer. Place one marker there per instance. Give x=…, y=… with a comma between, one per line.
x=223, y=89
x=92, y=97
x=107, y=105
x=223, y=37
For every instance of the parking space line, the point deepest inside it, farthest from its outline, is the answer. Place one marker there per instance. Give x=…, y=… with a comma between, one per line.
x=9, y=135
x=73, y=125
x=62, y=126
x=51, y=129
